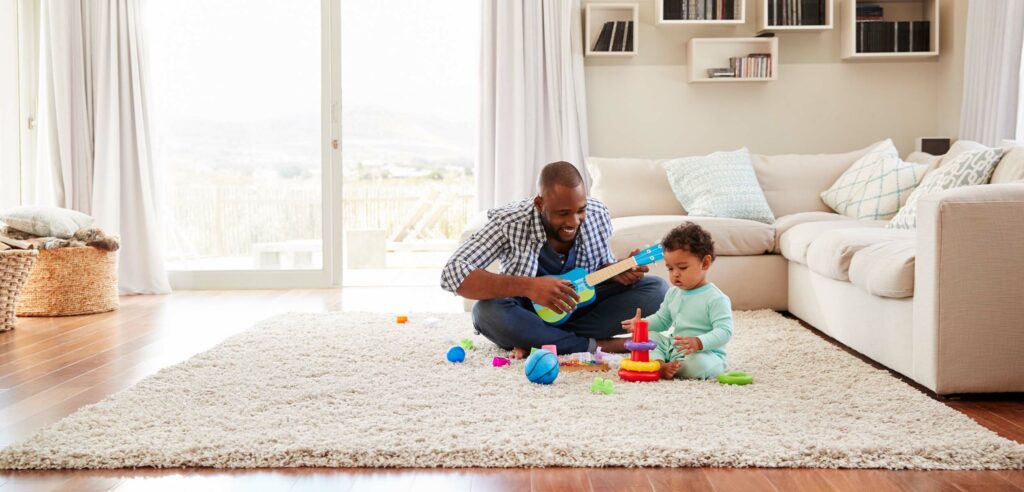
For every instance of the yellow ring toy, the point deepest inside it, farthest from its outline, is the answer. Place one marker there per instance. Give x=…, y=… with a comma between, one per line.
x=634, y=365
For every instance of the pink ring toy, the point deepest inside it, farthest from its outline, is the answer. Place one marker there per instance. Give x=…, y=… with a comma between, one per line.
x=631, y=345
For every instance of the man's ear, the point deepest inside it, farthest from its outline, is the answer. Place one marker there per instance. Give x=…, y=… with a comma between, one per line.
x=538, y=203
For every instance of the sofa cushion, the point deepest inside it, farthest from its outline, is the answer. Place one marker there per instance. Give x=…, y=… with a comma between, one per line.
x=733, y=237
x=794, y=243
x=960, y=147
x=785, y=223
x=831, y=252
x=620, y=184
x=1011, y=166
x=885, y=269
x=721, y=184
x=793, y=183
x=875, y=186
x=967, y=169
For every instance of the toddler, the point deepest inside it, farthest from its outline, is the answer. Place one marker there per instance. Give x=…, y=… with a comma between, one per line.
x=699, y=314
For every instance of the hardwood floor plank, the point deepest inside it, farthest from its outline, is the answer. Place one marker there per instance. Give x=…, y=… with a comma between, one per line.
x=1015, y=477
x=613, y=479
x=738, y=479
x=559, y=480
x=856, y=480
x=671, y=479
x=501, y=480
x=797, y=479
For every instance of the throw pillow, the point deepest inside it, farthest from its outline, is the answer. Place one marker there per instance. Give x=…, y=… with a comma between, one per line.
x=722, y=184
x=876, y=185
x=46, y=221
x=966, y=169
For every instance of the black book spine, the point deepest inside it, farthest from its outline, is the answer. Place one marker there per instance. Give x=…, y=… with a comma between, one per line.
x=860, y=38
x=673, y=8
x=605, y=38
x=620, y=36
x=809, y=13
x=922, y=32
x=903, y=36
x=771, y=12
x=629, y=36
x=821, y=12
x=890, y=37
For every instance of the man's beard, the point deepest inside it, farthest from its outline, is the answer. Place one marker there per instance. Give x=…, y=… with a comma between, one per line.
x=552, y=232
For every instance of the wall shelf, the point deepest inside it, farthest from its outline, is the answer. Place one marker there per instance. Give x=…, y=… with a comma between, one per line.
x=705, y=53
x=764, y=26
x=893, y=10
x=597, y=14
x=740, y=7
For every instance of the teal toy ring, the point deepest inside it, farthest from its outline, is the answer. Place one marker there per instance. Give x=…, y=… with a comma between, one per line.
x=735, y=377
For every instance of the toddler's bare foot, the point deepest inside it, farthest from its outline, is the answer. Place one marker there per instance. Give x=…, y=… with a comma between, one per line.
x=518, y=353
x=669, y=369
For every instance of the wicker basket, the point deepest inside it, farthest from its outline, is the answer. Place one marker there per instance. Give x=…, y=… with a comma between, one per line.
x=15, y=267
x=71, y=281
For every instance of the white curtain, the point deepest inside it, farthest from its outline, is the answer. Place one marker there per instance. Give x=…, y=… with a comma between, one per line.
x=533, y=100
x=93, y=141
x=992, y=70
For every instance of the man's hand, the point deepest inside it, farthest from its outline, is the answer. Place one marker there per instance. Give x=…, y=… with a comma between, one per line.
x=631, y=276
x=628, y=324
x=688, y=345
x=553, y=293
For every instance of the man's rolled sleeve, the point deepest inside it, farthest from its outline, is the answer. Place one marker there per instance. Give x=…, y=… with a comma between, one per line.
x=479, y=251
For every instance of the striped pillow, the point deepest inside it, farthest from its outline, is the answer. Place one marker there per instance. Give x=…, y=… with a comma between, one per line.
x=969, y=168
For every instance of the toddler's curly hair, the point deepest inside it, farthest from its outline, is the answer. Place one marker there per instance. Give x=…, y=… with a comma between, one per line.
x=690, y=237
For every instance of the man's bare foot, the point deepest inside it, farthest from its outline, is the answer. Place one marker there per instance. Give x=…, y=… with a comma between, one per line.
x=613, y=345
x=518, y=353
x=669, y=369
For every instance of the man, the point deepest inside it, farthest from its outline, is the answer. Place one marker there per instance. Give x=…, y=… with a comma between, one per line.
x=558, y=230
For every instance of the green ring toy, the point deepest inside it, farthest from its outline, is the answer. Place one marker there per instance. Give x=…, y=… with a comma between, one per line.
x=735, y=377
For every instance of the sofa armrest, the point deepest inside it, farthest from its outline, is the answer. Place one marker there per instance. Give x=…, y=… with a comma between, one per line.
x=969, y=290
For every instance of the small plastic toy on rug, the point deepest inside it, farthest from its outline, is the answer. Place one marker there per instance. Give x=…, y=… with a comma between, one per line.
x=639, y=367
x=735, y=377
x=542, y=367
x=500, y=361
x=456, y=354
x=550, y=348
x=601, y=385
x=574, y=363
x=466, y=344
x=401, y=320
x=599, y=354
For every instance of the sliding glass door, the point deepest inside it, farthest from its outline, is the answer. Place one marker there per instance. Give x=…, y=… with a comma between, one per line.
x=244, y=97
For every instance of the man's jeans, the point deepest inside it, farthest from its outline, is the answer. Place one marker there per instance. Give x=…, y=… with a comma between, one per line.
x=512, y=322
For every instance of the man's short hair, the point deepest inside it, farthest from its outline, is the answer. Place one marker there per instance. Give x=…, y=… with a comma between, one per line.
x=558, y=173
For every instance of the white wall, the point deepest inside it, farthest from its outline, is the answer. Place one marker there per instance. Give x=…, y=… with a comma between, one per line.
x=10, y=163
x=643, y=106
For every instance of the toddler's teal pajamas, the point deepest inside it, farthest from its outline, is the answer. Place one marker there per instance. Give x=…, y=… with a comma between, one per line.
x=705, y=313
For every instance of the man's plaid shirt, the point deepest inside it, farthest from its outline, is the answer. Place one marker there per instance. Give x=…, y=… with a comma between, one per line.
x=514, y=235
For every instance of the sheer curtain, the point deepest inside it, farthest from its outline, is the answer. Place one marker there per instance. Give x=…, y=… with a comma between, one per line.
x=533, y=100
x=93, y=140
x=992, y=71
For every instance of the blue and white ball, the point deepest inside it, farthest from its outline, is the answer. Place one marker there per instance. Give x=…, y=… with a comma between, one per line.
x=542, y=367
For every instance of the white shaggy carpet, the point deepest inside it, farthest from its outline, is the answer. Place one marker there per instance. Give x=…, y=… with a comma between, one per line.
x=344, y=390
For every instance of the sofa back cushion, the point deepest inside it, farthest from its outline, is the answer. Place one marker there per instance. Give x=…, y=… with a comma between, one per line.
x=1011, y=166
x=630, y=187
x=793, y=183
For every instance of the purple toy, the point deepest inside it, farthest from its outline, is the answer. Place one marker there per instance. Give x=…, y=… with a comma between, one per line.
x=599, y=355
x=499, y=361
x=631, y=345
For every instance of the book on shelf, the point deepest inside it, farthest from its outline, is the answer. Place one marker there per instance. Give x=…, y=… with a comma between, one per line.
x=796, y=12
x=629, y=37
x=604, y=40
x=754, y=65
x=673, y=9
x=619, y=38
x=699, y=9
x=893, y=36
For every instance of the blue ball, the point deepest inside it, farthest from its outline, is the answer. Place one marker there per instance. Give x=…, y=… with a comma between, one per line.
x=456, y=354
x=542, y=367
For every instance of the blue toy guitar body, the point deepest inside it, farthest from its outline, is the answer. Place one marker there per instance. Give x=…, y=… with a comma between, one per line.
x=584, y=282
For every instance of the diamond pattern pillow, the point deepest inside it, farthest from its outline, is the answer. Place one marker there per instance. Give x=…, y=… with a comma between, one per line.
x=969, y=168
x=722, y=184
x=876, y=185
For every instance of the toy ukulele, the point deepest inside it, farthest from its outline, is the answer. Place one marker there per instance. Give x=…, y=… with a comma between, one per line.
x=584, y=283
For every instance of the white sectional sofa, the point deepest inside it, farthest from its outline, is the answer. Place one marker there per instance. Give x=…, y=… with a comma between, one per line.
x=943, y=305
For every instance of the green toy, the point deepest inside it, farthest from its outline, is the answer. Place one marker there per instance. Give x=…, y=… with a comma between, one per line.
x=602, y=386
x=466, y=344
x=735, y=377
x=533, y=349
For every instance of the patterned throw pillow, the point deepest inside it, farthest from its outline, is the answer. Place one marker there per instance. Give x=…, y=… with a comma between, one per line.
x=970, y=168
x=875, y=186
x=722, y=184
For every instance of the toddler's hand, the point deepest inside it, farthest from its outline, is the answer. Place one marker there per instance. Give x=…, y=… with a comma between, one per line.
x=627, y=324
x=688, y=345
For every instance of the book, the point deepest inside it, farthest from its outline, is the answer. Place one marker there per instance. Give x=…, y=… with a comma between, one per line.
x=729, y=9
x=920, y=36
x=619, y=37
x=604, y=40
x=903, y=36
x=629, y=37
x=810, y=13
x=673, y=9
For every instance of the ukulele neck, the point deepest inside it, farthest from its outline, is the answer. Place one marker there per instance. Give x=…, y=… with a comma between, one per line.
x=610, y=271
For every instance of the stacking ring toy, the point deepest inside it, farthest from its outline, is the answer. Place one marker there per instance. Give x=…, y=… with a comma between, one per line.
x=637, y=366
x=639, y=377
x=735, y=377
x=631, y=345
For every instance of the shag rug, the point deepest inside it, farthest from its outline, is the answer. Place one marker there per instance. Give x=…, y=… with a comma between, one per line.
x=358, y=390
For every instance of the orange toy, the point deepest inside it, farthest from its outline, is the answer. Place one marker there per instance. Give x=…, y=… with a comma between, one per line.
x=402, y=319
x=641, y=358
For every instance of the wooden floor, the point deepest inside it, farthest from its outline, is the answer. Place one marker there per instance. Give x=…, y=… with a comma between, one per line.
x=49, y=367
